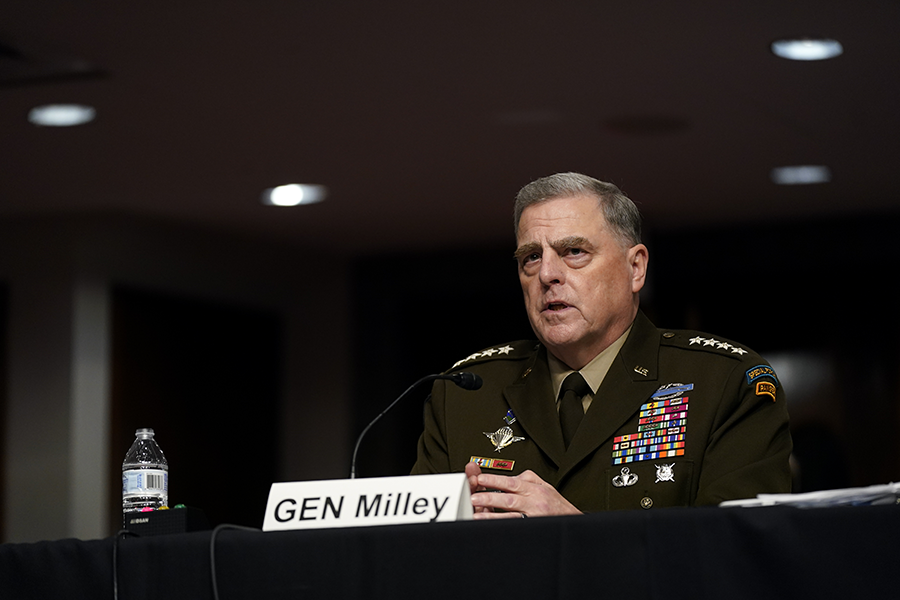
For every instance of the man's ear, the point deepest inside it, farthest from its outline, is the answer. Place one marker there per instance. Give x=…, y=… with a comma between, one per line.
x=637, y=260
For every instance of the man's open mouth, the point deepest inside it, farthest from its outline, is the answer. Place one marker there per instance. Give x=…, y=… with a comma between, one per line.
x=557, y=306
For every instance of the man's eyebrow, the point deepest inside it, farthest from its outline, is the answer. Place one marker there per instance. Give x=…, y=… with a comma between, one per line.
x=526, y=249
x=573, y=241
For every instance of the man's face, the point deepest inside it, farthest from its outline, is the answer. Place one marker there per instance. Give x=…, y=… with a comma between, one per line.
x=580, y=282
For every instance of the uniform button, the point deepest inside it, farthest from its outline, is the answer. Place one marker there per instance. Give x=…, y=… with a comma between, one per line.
x=646, y=502
x=668, y=334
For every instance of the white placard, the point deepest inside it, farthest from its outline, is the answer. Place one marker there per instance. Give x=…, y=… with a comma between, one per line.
x=368, y=501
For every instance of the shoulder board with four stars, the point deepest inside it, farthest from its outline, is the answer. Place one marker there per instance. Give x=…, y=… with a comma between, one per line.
x=695, y=340
x=761, y=378
x=512, y=350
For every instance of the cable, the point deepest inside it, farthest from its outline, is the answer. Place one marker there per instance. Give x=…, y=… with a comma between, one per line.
x=212, y=552
x=122, y=533
x=212, y=555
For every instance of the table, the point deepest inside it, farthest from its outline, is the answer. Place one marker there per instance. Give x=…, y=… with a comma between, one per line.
x=735, y=553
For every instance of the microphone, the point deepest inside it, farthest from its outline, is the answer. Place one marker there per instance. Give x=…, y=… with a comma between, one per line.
x=464, y=379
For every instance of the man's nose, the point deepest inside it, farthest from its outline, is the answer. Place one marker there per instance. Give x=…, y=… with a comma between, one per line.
x=552, y=269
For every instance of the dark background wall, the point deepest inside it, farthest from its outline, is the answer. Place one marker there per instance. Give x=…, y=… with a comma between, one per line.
x=206, y=377
x=416, y=315
x=4, y=318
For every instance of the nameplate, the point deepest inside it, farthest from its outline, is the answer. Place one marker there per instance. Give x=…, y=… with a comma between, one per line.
x=368, y=501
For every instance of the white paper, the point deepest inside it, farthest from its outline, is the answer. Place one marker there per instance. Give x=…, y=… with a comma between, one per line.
x=861, y=496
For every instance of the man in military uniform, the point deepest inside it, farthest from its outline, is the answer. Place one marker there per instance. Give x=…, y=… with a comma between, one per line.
x=606, y=411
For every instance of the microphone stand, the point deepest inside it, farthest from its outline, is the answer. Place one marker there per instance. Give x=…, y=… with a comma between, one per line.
x=465, y=380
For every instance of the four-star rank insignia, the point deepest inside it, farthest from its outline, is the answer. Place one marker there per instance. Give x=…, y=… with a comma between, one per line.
x=718, y=345
x=485, y=354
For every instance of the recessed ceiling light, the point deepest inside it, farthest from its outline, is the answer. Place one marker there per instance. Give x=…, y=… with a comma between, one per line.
x=61, y=115
x=807, y=49
x=800, y=175
x=293, y=194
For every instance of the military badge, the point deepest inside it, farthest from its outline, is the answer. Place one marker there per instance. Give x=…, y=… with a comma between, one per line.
x=502, y=438
x=665, y=473
x=625, y=479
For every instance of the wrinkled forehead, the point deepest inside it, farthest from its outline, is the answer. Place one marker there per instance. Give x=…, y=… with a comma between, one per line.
x=563, y=217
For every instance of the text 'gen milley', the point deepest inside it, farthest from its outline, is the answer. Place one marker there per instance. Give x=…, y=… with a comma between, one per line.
x=380, y=506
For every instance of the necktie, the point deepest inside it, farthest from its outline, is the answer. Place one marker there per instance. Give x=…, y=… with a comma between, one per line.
x=571, y=411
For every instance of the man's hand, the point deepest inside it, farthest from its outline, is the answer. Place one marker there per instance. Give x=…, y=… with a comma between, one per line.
x=523, y=495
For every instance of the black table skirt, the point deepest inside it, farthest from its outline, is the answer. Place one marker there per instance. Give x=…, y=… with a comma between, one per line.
x=758, y=553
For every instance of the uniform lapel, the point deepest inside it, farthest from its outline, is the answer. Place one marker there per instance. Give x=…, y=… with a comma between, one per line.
x=632, y=378
x=531, y=399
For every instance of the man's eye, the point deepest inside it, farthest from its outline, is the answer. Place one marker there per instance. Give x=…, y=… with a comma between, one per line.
x=575, y=251
x=530, y=258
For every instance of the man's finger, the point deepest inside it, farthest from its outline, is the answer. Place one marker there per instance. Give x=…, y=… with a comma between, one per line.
x=506, y=502
x=496, y=515
x=472, y=473
x=500, y=482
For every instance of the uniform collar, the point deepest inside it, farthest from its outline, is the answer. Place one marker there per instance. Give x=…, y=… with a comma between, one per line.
x=640, y=352
x=593, y=372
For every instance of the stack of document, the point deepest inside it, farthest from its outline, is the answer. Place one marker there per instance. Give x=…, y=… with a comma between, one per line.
x=862, y=496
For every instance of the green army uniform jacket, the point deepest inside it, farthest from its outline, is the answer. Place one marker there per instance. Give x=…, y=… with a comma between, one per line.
x=681, y=419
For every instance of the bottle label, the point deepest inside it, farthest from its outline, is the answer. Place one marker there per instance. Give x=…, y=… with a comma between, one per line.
x=145, y=481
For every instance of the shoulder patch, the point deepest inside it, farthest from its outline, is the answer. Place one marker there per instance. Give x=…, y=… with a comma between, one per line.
x=759, y=371
x=766, y=382
x=512, y=350
x=766, y=388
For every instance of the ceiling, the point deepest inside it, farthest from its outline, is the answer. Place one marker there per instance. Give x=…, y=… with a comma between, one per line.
x=424, y=118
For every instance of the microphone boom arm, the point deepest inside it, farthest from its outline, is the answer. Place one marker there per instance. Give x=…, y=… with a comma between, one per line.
x=465, y=380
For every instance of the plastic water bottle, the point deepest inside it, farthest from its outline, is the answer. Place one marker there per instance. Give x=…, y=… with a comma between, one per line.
x=145, y=474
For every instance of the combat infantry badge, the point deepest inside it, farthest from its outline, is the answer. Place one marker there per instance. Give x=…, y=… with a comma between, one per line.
x=665, y=473
x=502, y=438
